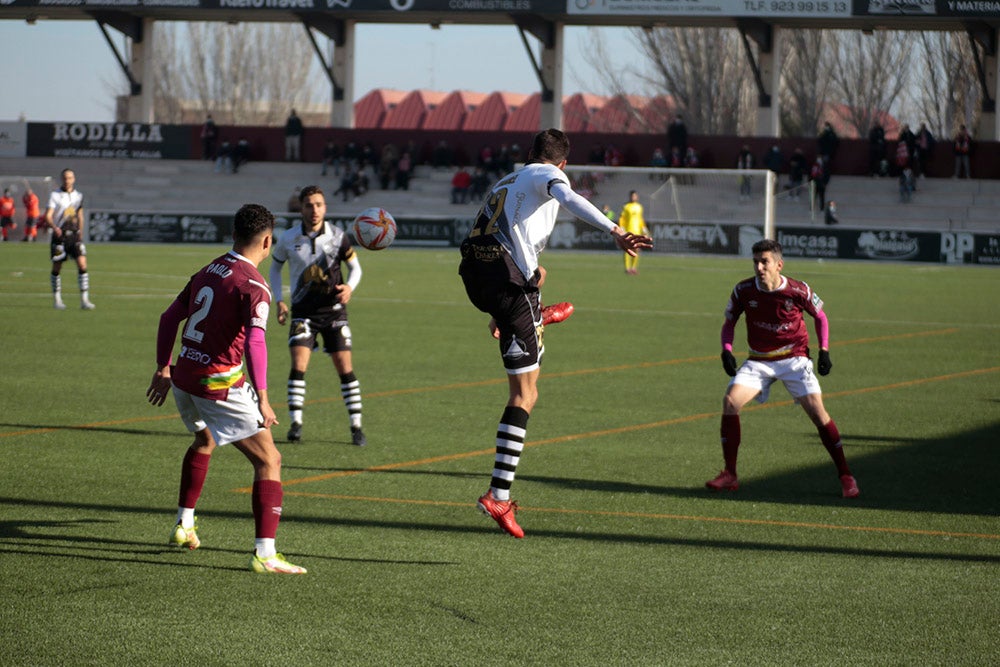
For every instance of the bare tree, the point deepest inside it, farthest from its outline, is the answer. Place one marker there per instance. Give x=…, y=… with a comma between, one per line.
x=703, y=71
x=244, y=74
x=805, y=82
x=947, y=92
x=868, y=74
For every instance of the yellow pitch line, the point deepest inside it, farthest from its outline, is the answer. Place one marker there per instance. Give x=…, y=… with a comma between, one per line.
x=617, y=430
x=478, y=383
x=657, y=515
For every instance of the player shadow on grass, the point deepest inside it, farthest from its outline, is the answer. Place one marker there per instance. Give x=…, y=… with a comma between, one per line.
x=16, y=537
x=172, y=432
x=55, y=538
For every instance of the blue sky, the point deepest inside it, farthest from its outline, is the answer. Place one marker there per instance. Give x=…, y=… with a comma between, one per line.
x=74, y=80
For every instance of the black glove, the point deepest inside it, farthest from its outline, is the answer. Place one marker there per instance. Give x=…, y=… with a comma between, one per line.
x=825, y=364
x=729, y=363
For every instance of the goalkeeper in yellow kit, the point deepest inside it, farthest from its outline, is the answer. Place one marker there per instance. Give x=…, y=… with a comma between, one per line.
x=631, y=221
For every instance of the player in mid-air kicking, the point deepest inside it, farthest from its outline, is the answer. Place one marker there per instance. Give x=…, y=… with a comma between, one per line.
x=779, y=350
x=501, y=275
x=553, y=314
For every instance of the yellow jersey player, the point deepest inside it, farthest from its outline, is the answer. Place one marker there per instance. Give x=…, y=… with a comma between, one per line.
x=631, y=221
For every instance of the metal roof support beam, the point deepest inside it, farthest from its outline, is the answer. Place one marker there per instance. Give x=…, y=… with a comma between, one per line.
x=549, y=68
x=983, y=40
x=983, y=43
x=762, y=34
x=333, y=29
x=131, y=27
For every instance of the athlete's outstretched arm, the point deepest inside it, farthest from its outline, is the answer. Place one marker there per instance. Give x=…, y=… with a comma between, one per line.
x=583, y=209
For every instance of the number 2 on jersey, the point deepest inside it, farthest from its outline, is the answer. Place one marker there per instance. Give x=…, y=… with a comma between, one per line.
x=204, y=302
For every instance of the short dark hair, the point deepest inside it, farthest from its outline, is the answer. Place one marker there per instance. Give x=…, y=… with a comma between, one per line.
x=249, y=221
x=767, y=245
x=549, y=145
x=309, y=191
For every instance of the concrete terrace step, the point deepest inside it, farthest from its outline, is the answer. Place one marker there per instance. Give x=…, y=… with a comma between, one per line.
x=178, y=185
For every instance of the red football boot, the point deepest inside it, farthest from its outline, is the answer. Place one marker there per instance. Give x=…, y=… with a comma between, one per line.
x=556, y=313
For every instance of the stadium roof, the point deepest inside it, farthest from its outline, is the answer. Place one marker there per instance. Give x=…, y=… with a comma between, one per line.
x=505, y=111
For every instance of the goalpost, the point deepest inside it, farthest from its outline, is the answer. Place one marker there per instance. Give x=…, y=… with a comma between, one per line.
x=683, y=195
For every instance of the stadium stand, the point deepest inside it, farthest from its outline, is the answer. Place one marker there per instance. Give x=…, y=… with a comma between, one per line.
x=191, y=185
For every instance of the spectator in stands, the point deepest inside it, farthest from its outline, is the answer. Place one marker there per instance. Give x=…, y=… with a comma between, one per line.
x=677, y=135
x=353, y=183
x=796, y=172
x=774, y=160
x=241, y=154
x=827, y=143
x=830, y=216
x=963, y=146
x=367, y=156
x=745, y=161
x=596, y=155
x=613, y=157
x=515, y=155
x=460, y=184
x=486, y=162
x=659, y=158
x=819, y=175
x=293, y=138
x=224, y=158
x=906, y=185
x=902, y=155
x=208, y=134
x=351, y=156
x=925, y=149
x=691, y=158
x=505, y=164
x=479, y=185
x=404, y=171
x=331, y=158
x=442, y=157
x=876, y=148
x=294, y=204
x=907, y=137
x=387, y=165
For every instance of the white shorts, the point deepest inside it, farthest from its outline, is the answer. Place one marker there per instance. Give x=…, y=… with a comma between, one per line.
x=233, y=419
x=795, y=372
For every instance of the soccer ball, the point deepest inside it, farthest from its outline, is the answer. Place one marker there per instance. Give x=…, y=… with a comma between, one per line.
x=374, y=228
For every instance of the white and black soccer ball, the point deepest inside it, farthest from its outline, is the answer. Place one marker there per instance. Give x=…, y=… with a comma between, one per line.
x=374, y=228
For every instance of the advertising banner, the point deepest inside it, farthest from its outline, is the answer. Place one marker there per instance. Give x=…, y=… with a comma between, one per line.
x=924, y=8
x=394, y=6
x=127, y=227
x=717, y=8
x=571, y=234
x=140, y=141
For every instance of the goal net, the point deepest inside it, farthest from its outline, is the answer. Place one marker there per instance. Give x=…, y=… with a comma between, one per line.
x=745, y=197
x=17, y=186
